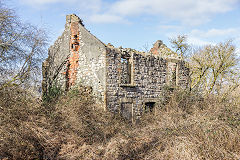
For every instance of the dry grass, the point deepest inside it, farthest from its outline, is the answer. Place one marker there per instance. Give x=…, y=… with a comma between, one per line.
x=73, y=127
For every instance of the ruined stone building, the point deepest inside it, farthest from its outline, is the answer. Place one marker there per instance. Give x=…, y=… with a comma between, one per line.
x=122, y=79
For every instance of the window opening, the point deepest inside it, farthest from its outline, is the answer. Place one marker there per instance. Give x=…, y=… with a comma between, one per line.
x=149, y=106
x=75, y=46
x=126, y=71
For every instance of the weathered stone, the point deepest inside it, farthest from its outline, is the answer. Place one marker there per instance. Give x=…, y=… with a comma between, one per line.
x=122, y=79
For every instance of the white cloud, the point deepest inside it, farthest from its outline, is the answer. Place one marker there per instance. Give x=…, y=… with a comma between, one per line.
x=106, y=18
x=191, y=39
x=169, y=27
x=40, y=2
x=213, y=36
x=216, y=32
x=90, y=5
x=198, y=42
x=191, y=12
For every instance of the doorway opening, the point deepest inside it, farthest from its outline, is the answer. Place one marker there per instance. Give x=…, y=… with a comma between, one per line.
x=149, y=106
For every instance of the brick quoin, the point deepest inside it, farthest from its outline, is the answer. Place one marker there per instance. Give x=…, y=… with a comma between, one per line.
x=73, y=64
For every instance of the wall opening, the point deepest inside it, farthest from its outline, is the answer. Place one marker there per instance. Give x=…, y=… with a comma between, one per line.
x=126, y=70
x=75, y=44
x=149, y=106
x=126, y=110
x=172, y=74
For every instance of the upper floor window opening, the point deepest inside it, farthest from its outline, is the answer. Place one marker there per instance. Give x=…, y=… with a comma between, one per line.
x=126, y=70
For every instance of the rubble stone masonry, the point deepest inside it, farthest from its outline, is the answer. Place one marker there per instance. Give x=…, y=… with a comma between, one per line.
x=123, y=80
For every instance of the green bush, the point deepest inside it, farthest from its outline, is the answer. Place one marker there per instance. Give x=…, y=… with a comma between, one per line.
x=53, y=92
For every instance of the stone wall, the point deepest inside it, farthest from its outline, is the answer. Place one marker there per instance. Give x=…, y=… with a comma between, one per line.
x=55, y=65
x=183, y=78
x=149, y=73
x=122, y=79
x=76, y=58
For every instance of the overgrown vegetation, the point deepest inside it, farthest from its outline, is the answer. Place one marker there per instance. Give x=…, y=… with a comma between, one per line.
x=73, y=127
x=189, y=124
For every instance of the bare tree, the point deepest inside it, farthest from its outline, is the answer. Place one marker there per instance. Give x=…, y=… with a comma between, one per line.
x=22, y=47
x=214, y=68
x=180, y=45
x=145, y=48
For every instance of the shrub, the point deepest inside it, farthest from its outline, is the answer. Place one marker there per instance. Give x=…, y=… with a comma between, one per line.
x=53, y=93
x=74, y=127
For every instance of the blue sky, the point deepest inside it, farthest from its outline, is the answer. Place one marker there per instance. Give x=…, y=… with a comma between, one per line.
x=138, y=23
